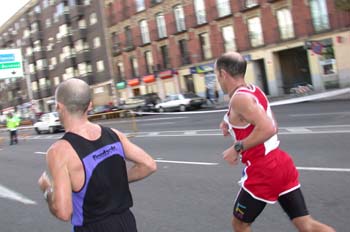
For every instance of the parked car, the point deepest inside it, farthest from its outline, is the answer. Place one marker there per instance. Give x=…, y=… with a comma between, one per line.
x=145, y=102
x=48, y=122
x=181, y=102
x=102, y=109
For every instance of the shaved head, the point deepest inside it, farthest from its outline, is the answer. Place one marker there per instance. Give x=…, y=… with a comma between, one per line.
x=233, y=63
x=75, y=95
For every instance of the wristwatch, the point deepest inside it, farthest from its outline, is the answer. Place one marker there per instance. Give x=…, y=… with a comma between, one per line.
x=48, y=191
x=238, y=146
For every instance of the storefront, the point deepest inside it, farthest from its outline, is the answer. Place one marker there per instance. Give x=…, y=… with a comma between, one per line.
x=150, y=83
x=169, y=83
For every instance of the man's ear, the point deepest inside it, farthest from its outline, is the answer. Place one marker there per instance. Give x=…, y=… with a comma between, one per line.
x=90, y=106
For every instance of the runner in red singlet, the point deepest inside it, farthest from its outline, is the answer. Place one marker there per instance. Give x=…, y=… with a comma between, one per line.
x=270, y=174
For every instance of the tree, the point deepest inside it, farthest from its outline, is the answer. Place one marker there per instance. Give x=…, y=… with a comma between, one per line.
x=342, y=5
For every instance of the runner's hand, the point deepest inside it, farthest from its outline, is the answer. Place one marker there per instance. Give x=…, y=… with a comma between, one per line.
x=224, y=128
x=44, y=181
x=231, y=156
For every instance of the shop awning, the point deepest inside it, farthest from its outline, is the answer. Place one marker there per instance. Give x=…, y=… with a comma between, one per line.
x=121, y=85
x=133, y=82
x=149, y=79
x=165, y=74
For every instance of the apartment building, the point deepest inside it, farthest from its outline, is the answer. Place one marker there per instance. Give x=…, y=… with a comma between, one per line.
x=59, y=39
x=170, y=46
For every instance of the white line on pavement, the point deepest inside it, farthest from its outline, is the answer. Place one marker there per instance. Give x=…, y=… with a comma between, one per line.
x=40, y=152
x=324, y=169
x=185, y=162
x=318, y=114
x=161, y=160
x=12, y=195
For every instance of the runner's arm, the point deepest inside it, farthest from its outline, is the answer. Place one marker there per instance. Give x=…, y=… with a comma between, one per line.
x=247, y=108
x=59, y=197
x=144, y=164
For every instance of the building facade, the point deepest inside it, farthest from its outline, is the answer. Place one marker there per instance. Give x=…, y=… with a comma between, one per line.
x=59, y=39
x=170, y=46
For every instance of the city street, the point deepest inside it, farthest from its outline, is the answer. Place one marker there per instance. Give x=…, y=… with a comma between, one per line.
x=194, y=189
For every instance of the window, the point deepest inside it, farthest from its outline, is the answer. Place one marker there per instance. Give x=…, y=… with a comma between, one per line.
x=82, y=23
x=134, y=67
x=31, y=68
x=161, y=26
x=100, y=66
x=48, y=22
x=165, y=56
x=93, y=18
x=185, y=58
x=179, y=18
x=120, y=71
x=79, y=45
x=69, y=72
x=319, y=15
x=255, y=32
x=199, y=7
x=250, y=3
x=205, y=46
x=45, y=3
x=41, y=64
x=37, y=46
x=97, y=42
x=37, y=9
x=56, y=81
x=285, y=23
x=228, y=37
x=144, y=32
x=34, y=27
x=223, y=8
x=149, y=61
x=53, y=62
x=83, y=68
x=140, y=5
x=128, y=36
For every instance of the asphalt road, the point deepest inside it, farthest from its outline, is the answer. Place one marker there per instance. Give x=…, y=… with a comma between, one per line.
x=193, y=189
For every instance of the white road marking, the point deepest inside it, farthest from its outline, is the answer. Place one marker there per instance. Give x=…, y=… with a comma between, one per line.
x=185, y=162
x=161, y=160
x=318, y=114
x=40, y=152
x=297, y=129
x=158, y=123
x=12, y=195
x=190, y=132
x=324, y=169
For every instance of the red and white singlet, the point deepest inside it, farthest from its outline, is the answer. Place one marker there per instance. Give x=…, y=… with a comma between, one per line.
x=269, y=171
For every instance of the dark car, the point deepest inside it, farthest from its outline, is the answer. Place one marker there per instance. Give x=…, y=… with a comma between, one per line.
x=145, y=102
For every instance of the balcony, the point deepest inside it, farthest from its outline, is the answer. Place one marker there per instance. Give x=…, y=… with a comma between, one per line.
x=246, y=5
x=129, y=46
x=116, y=50
x=33, y=77
x=80, y=33
x=37, y=35
x=45, y=91
x=36, y=95
x=43, y=73
x=38, y=55
x=34, y=18
x=77, y=11
x=70, y=61
x=64, y=18
x=87, y=77
x=83, y=56
x=67, y=40
x=30, y=59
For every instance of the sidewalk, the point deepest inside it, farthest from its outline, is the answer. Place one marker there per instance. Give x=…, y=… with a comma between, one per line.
x=329, y=95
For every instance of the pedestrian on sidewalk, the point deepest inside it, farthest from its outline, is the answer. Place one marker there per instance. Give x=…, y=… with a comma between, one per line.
x=89, y=179
x=270, y=174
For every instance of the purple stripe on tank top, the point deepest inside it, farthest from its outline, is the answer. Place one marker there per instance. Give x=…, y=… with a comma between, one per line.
x=90, y=162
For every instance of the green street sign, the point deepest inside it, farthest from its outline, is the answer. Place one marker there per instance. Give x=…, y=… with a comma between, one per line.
x=121, y=85
x=10, y=65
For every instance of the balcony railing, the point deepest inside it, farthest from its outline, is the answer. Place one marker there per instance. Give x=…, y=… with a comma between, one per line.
x=249, y=4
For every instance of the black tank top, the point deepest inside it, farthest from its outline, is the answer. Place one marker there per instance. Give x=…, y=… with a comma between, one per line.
x=106, y=189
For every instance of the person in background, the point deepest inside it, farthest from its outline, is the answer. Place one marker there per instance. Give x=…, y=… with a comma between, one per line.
x=12, y=122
